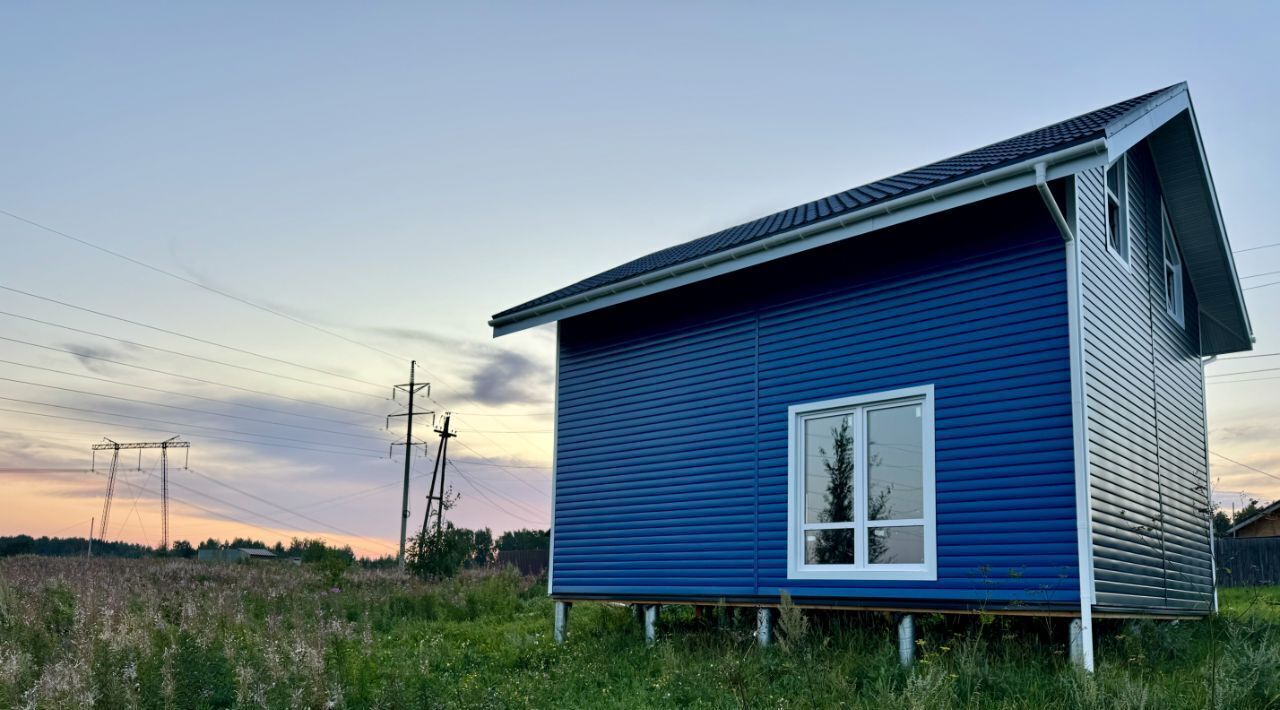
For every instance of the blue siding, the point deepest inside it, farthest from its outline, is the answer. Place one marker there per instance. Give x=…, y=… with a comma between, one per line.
x=672, y=424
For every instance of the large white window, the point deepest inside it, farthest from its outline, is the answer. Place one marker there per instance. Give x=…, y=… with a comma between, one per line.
x=861, y=501
x=1173, y=300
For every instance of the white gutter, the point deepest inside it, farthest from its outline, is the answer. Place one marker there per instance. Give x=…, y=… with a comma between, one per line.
x=1026, y=168
x=1042, y=184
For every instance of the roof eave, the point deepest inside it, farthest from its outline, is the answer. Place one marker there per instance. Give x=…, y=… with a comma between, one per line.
x=1060, y=163
x=1169, y=124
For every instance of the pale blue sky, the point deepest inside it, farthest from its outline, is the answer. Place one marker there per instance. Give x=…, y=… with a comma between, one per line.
x=399, y=172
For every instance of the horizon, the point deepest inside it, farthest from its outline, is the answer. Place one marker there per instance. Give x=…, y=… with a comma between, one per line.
x=321, y=194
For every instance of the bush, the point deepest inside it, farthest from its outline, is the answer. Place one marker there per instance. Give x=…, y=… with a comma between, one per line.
x=58, y=609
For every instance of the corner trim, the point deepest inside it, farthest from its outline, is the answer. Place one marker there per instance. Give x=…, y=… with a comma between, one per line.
x=1079, y=429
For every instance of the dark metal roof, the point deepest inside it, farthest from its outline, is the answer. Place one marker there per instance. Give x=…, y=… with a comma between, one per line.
x=1028, y=145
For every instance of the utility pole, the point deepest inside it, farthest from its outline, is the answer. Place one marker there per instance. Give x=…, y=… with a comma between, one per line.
x=442, y=458
x=115, y=448
x=412, y=390
x=89, y=554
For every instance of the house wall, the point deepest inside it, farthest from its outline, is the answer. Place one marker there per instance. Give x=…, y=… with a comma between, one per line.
x=1145, y=410
x=671, y=473
x=1266, y=526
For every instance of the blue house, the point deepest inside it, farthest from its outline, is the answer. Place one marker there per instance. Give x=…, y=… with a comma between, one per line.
x=976, y=385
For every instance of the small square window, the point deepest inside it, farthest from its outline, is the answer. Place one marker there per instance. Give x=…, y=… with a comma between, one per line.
x=1118, y=210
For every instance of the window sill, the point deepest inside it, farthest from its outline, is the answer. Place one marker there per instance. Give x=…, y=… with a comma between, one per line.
x=905, y=573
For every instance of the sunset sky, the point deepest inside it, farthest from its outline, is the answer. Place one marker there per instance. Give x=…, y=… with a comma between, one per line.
x=375, y=183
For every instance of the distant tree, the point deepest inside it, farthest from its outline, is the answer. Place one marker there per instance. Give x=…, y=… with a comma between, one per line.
x=525, y=540
x=1250, y=510
x=435, y=554
x=484, y=548
x=17, y=545
x=1221, y=523
x=278, y=548
x=183, y=549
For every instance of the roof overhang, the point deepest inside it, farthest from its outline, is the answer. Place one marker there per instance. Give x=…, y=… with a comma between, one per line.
x=1191, y=201
x=1167, y=122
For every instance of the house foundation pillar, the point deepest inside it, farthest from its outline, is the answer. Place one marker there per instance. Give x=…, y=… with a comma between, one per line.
x=650, y=624
x=906, y=640
x=562, y=621
x=764, y=626
x=1081, y=645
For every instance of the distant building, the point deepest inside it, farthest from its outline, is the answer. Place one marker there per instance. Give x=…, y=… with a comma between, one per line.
x=237, y=554
x=1265, y=523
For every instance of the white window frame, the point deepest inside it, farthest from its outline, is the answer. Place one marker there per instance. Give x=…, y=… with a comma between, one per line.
x=796, y=415
x=1124, y=250
x=1175, y=303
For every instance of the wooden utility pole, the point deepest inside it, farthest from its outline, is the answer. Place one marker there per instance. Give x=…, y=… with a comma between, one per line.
x=412, y=390
x=437, y=471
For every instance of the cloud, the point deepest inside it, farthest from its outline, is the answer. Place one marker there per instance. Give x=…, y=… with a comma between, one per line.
x=507, y=377
x=86, y=355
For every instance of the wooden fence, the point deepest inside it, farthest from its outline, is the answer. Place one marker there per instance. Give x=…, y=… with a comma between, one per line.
x=1247, y=561
x=529, y=562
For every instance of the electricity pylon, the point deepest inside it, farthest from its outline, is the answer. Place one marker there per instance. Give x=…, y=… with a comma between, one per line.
x=164, y=446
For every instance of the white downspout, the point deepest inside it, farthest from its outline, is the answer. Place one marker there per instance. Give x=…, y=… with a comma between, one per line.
x=1082, y=629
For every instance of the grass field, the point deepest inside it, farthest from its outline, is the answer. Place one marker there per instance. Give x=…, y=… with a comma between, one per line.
x=180, y=634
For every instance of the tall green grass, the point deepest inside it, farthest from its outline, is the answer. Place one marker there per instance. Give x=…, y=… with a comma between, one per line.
x=180, y=634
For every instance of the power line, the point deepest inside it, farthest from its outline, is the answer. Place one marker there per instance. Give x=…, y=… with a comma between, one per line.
x=203, y=436
x=191, y=409
x=1244, y=372
x=179, y=353
x=1236, y=382
x=526, y=508
x=287, y=510
x=489, y=462
x=197, y=284
x=99, y=358
x=224, y=516
x=475, y=488
x=1250, y=288
x=499, y=466
x=1262, y=246
x=1245, y=465
x=1247, y=357
x=182, y=424
x=1254, y=276
x=188, y=337
x=526, y=414
x=227, y=402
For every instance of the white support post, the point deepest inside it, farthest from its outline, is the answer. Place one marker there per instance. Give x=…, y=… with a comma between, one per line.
x=562, y=621
x=906, y=640
x=764, y=626
x=1082, y=645
x=650, y=624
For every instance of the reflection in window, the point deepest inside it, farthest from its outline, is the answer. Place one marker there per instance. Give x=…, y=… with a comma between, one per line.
x=862, y=478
